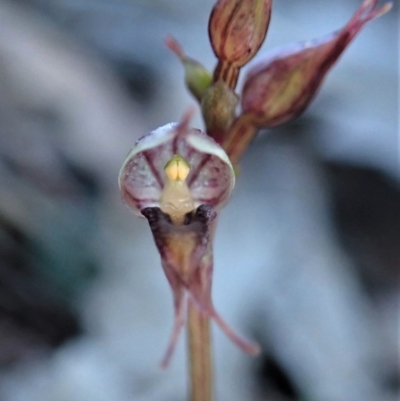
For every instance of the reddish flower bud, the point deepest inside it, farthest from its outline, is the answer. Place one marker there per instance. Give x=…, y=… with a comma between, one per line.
x=237, y=29
x=282, y=86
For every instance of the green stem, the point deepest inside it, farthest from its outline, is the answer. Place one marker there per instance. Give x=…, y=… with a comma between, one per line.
x=200, y=361
x=199, y=336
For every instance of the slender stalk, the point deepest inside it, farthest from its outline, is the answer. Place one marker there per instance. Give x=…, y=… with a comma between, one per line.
x=240, y=135
x=228, y=73
x=200, y=360
x=198, y=329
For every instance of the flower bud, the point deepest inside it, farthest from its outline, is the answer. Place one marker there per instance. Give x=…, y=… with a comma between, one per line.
x=145, y=177
x=218, y=106
x=197, y=78
x=237, y=29
x=282, y=86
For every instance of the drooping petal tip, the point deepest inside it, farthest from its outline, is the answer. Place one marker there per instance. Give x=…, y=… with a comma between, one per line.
x=181, y=248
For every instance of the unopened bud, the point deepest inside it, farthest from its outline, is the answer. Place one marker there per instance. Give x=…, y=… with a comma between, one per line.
x=282, y=86
x=197, y=78
x=218, y=106
x=237, y=29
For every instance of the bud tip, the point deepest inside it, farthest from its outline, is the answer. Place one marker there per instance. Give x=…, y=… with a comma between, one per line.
x=174, y=46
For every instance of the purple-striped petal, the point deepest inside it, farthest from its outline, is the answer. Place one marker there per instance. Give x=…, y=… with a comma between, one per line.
x=142, y=176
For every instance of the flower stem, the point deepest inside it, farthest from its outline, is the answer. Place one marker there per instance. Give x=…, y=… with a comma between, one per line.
x=227, y=73
x=199, y=335
x=240, y=135
x=200, y=360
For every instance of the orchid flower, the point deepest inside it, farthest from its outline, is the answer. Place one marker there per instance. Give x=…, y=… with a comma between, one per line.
x=179, y=179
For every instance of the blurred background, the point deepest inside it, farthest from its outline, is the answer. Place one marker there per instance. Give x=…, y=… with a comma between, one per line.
x=307, y=252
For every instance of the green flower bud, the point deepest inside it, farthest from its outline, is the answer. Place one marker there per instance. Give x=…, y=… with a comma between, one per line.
x=197, y=78
x=218, y=106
